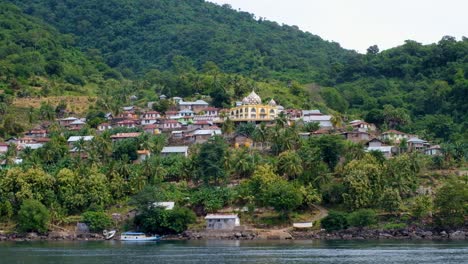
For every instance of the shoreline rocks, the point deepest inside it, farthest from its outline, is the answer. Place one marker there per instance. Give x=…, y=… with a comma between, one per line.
x=375, y=234
x=349, y=234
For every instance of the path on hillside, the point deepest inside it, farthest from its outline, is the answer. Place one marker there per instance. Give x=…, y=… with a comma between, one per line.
x=284, y=232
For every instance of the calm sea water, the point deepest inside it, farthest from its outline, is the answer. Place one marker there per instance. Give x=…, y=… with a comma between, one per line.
x=235, y=252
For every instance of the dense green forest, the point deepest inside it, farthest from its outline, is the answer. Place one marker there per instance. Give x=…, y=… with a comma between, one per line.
x=135, y=36
x=421, y=88
x=35, y=59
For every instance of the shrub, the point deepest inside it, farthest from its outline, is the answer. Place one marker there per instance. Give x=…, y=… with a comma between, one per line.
x=362, y=218
x=33, y=216
x=335, y=221
x=393, y=226
x=160, y=221
x=96, y=221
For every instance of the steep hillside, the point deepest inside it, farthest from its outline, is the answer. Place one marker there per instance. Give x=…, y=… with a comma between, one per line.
x=36, y=60
x=418, y=88
x=137, y=35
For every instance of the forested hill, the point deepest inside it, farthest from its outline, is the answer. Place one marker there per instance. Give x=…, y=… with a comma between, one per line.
x=35, y=59
x=138, y=35
x=418, y=88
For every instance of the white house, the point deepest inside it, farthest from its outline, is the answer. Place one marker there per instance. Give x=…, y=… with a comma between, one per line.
x=222, y=222
x=71, y=140
x=386, y=150
x=196, y=106
x=179, y=150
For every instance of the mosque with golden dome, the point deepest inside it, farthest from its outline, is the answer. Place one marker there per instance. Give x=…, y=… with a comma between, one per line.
x=252, y=110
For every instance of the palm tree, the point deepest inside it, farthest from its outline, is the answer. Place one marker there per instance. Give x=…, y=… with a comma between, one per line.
x=290, y=164
x=260, y=134
x=337, y=120
x=227, y=126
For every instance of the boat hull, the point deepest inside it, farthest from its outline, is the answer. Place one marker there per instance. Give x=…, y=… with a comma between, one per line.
x=139, y=238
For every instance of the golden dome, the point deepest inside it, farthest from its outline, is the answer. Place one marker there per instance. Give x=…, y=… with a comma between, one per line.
x=252, y=99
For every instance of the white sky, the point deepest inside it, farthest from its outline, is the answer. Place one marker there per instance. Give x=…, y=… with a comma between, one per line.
x=358, y=24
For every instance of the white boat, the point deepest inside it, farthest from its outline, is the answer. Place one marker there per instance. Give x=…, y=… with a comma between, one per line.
x=137, y=236
x=109, y=234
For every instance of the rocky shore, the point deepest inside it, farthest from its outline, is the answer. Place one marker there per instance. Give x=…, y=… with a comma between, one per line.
x=51, y=236
x=349, y=234
x=375, y=234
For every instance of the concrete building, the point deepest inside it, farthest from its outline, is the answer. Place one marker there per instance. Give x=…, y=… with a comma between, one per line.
x=222, y=222
x=178, y=150
x=252, y=110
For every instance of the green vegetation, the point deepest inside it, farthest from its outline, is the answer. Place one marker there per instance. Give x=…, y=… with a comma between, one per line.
x=33, y=216
x=136, y=36
x=335, y=221
x=362, y=218
x=96, y=221
x=122, y=52
x=161, y=221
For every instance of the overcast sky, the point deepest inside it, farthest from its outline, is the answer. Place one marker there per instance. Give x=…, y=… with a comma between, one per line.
x=358, y=24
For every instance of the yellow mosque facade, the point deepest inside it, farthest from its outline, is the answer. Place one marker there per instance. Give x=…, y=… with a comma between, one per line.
x=252, y=110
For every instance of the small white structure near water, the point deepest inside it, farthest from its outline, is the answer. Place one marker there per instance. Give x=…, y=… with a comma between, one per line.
x=222, y=222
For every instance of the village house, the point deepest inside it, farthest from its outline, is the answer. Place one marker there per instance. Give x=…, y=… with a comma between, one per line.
x=196, y=106
x=417, y=144
x=76, y=125
x=376, y=144
x=36, y=133
x=202, y=135
x=435, y=150
x=362, y=126
x=169, y=124
x=176, y=150
x=186, y=112
x=172, y=115
x=356, y=136
x=199, y=125
x=222, y=222
x=210, y=111
x=66, y=121
x=74, y=139
x=150, y=117
x=394, y=136
x=128, y=123
x=122, y=136
x=128, y=115
x=315, y=116
x=387, y=151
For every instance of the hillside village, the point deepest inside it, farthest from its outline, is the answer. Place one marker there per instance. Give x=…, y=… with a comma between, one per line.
x=163, y=130
x=186, y=123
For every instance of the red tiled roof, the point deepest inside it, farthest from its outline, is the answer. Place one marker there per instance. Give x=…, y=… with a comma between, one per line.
x=201, y=123
x=152, y=126
x=126, y=122
x=169, y=121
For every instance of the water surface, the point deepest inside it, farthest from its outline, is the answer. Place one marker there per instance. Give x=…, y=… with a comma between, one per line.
x=235, y=252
